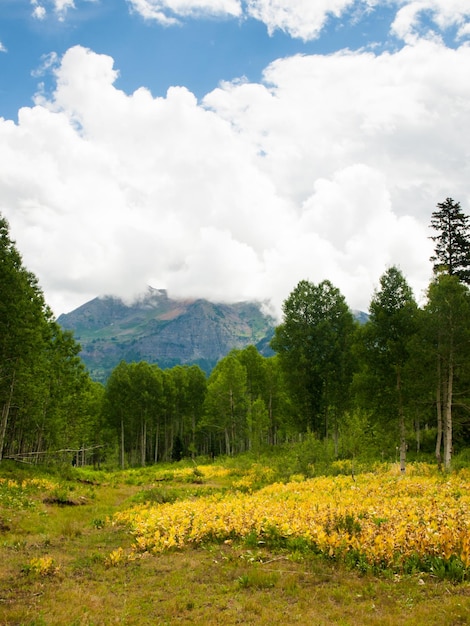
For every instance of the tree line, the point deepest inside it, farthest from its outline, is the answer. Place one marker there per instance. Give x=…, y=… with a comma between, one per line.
x=398, y=382
x=47, y=399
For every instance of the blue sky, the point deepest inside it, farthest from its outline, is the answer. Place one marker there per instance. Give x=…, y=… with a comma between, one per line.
x=140, y=140
x=196, y=52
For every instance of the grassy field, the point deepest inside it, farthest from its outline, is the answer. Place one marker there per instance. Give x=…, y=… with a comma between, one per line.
x=80, y=547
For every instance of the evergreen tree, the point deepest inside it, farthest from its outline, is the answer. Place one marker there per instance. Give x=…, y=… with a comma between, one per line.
x=452, y=251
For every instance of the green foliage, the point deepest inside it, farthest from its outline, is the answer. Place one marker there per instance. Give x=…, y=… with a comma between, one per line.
x=447, y=336
x=157, y=495
x=386, y=379
x=258, y=579
x=42, y=379
x=443, y=569
x=314, y=346
x=461, y=460
x=313, y=456
x=177, y=449
x=14, y=496
x=452, y=251
x=226, y=403
x=336, y=395
x=355, y=435
x=344, y=524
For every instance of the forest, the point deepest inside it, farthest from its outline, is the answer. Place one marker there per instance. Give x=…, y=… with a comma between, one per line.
x=393, y=388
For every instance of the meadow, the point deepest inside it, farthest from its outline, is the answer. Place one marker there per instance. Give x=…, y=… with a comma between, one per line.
x=235, y=541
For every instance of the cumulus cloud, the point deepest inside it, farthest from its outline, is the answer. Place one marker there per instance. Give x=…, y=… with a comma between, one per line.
x=2, y=47
x=328, y=168
x=315, y=115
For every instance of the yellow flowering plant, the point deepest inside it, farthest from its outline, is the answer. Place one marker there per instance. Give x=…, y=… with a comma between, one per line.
x=383, y=519
x=42, y=566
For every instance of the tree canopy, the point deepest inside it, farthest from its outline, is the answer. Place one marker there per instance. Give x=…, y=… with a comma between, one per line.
x=43, y=384
x=313, y=344
x=401, y=377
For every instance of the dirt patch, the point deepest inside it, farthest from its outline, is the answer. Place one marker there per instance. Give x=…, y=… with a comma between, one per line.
x=65, y=501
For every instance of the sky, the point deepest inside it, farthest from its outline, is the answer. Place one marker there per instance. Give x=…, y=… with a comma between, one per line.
x=228, y=149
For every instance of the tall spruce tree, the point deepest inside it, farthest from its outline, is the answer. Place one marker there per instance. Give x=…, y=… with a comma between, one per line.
x=452, y=251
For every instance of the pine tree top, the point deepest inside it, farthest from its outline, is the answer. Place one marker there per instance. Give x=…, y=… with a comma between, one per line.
x=452, y=251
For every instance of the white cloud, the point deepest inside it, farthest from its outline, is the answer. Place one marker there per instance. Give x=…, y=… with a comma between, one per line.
x=63, y=5
x=168, y=11
x=59, y=7
x=429, y=18
x=464, y=31
x=303, y=19
x=329, y=168
x=299, y=18
x=2, y=47
x=48, y=62
x=39, y=13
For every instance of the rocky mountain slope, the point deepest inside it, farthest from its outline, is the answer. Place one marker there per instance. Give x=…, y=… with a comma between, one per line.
x=161, y=330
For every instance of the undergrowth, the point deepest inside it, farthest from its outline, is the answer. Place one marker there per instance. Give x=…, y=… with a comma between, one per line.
x=70, y=564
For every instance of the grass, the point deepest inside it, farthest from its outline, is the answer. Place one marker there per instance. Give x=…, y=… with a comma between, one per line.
x=56, y=543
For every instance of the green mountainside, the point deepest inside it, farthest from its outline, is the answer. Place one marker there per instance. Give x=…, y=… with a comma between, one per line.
x=158, y=329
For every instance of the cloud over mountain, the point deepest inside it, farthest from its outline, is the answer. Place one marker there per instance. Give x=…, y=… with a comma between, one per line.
x=328, y=167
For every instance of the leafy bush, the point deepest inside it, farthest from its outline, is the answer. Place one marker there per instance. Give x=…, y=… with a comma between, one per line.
x=379, y=520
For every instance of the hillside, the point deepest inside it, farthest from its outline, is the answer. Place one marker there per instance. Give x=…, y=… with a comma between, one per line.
x=161, y=330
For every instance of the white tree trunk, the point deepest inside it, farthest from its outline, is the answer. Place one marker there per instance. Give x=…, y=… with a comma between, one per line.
x=5, y=416
x=143, y=444
x=448, y=416
x=439, y=413
x=402, y=427
x=157, y=434
x=122, y=443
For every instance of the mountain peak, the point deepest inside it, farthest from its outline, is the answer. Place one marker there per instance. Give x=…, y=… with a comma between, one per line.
x=158, y=329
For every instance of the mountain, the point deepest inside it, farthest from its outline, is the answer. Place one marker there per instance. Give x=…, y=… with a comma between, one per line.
x=360, y=316
x=158, y=329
